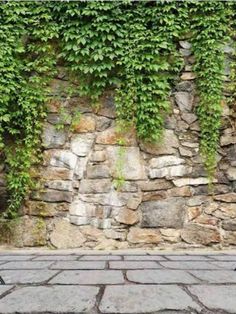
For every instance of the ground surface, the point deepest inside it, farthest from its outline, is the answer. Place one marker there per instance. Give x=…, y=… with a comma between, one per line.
x=117, y=282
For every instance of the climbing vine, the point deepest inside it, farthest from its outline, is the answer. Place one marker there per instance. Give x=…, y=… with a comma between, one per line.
x=130, y=47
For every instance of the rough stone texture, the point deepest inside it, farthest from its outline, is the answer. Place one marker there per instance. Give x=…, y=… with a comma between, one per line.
x=86, y=124
x=198, y=234
x=137, y=235
x=164, y=213
x=81, y=144
x=66, y=235
x=127, y=216
x=53, y=138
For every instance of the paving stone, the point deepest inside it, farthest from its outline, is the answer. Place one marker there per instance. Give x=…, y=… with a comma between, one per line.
x=25, y=265
x=100, y=258
x=4, y=289
x=56, y=258
x=133, y=264
x=144, y=258
x=158, y=276
x=15, y=257
x=144, y=299
x=79, y=265
x=89, y=277
x=224, y=257
x=215, y=276
x=187, y=258
x=216, y=297
x=189, y=265
x=225, y=265
x=54, y=299
x=26, y=276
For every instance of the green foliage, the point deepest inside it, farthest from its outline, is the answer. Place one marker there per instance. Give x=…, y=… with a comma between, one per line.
x=127, y=46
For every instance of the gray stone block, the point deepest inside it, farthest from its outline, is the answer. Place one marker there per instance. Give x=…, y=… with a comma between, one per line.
x=79, y=265
x=145, y=299
x=12, y=258
x=4, y=289
x=133, y=264
x=89, y=277
x=100, y=258
x=144, y=258
x=159, y=276
x=26, y=276
x=189, y=265
x=26, y=265
x=215, y=276
x=55, y=299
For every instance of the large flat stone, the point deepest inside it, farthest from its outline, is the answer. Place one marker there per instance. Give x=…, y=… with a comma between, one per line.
x=26, y=276
x=53, y=138
x=167, y=213
x=4, y=289
x=26, y=265
x=159, y=276
x=189, y=265
x=56, y=299
x=79, y=265
x=133, y=264
x=145, y=299
x=89, y=277
x=216, y=297
x=60, y=158
x=215, y=276
x=140, y=235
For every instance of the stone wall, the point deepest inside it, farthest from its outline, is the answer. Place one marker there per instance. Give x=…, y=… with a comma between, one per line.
x=100, y=187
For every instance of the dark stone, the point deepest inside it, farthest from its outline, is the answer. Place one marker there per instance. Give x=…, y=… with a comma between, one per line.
x=229, y=225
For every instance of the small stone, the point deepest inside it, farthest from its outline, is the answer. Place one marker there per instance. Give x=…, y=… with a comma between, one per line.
x=104, y=223
x=134, y=202
x=95, y=186
x=60, y=185
x=227, y=198
x=231, y=173
x=155, y=185
x=185, y=86
x=98, y=171
x=154, y=196
x=225, y=211
x=137, y=235
x=229, y=237
x=185, y=152
x=207, y=220
x=79, y=208
x=196, y=200
x=103, y=123
x=179, y=191
x=229, y=225
x=169, y=172
x=86, y=124
x=82, y=144
x=112, y=137
x=65, y=235
x=195, y=126
x=81, y=167
x=167, y=213
x=53, y=138
x=129, y=186
x=197, y=234
x=116, y=235
x=188, y=76
x=165, y=161
x=92, y=233
x=127, y=216
x=166, y=146
x=193, y=212
x=107, y=106
x=98, y=156
x=185, y=101
x=185, y=52
x=189, y=117
x=185, y=44
x=190, y=181
x=60, y=158
x=227, y=140
x=56, y=173
x=171, y=235
x=55, y=118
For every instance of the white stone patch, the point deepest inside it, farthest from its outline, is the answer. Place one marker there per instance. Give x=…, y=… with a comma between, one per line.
x=81, y=167
x=80, y=208
x=191, y=181
x=165, y=161
x=82, y=144
x=174, y=171
x=63, y=158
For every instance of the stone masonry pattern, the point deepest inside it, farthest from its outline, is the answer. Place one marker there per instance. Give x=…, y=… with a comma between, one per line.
x=101, y=188
x=130, y=282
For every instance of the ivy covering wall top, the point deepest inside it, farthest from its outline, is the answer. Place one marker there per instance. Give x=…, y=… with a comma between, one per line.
x=129, y=46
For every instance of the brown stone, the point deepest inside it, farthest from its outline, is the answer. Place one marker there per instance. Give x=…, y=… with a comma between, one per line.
x=187, y=76
x=92, y=233
x=134, y=202
x=229, y=238
x=227, y=198
x=65, y=235
x=155, y=185
x=137, y=235
x=56, y=173
x=112, y=136
x=127, y=216
x=229, y=225
x=86, y=124
x=181, y=191
x=170, y=235
x=198, y=234
x=44, y=209
x=154, y=196
x=207, y=220
x=193, y=212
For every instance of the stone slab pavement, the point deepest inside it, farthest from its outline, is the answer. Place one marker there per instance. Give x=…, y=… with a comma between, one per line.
x=66, y=282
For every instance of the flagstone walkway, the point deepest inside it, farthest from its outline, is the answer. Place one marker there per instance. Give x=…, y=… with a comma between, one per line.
x=117, y=282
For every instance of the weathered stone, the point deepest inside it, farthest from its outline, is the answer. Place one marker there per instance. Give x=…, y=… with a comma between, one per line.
x=44, y=209
x=129, y=186
x=166, y=147
x=229, y=238
x=189, y=117
x=60, y=158
x=65, y=235
x=181, y=125
x=229, y=225
x=165, y=161
x=103, y=211
x=154, y=196
x=81, y=167
x=190, y=181
x=86, y=124
x=127, y=216
x=207, y=220
x=171, y=235
x=98, y=156
x=104, y=223
x=197, y=234
x=227, y=198
x=60, y=185
x=107, y=106
x=225, y=211
x=155, y=185
x=227, y=139
x=185, y=86
x=193, y=212
x=231, y=173
x=134, y=202
x=185, y=52
x=112, y=198
x=95, y=186
x=137, y=235
x=92, y=233
x=112, y=137
x=103, y=123
x=55, y=118
x=188, y=76
x=185, y=152
x=116, y=235
x=82, y=144
x=79, y=208
x=55, y=173
x=53, y=196
x=185, y=44
x=167, y=213
x=170, y=172
x=182, y=191
x=53, y=138
x=184, y=100
x=98, y=171
x=132, y=163
x=195, y=126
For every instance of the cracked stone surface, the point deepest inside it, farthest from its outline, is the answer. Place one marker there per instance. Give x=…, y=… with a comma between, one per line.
x=117, y=282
